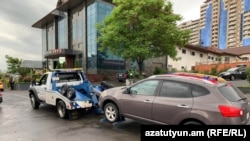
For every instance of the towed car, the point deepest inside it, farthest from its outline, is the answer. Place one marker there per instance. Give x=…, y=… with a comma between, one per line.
x=234, y=73
x=177, y=99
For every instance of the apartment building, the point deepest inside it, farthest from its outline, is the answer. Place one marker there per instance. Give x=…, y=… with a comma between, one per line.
x=223, y=24
x=192, y=26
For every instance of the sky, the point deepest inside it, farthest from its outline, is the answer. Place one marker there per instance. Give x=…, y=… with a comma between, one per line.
x=19, y=39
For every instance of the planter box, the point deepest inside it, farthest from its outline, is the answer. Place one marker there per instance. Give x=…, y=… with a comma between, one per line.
x=21, y=86
x=245, y=90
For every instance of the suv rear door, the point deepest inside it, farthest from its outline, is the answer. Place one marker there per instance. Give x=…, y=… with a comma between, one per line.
x=173, y=103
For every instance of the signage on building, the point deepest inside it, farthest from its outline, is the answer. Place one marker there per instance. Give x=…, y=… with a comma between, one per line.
x=61, y=60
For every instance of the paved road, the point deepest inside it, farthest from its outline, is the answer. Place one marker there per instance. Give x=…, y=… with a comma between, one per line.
x=19, y=122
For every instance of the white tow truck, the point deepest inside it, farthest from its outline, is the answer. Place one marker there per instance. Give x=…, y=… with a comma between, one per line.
x=67, y=89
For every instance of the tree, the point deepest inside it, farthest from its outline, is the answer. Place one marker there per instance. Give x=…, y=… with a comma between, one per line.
x=14, y=66
x=140, y=30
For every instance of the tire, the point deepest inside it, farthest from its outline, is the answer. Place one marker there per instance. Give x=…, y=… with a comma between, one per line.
x=232, y=77
x=71, y=93
x=34, y=102
x=192, y=123
x=64, y=89
x=244, y=78
x=111, y=113
x=105, y=85
x=61, y=109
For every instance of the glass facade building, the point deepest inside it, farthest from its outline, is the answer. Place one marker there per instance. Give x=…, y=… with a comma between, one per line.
x=69, y=36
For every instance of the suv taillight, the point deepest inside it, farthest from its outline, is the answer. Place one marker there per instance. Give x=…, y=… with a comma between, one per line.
x=230, y=111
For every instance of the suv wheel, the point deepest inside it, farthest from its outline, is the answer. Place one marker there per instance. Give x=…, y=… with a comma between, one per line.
x=111, y=113
x=34, y=103
x=64, y=89
x=61, y=109
x=71, y=93
x=232, y=77
x=192, y=123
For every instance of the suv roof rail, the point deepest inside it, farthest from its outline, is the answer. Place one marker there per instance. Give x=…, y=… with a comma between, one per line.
x=205, y=78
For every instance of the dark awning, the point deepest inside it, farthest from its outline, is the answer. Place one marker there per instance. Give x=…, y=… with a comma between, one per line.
x=51, y=16
x=47, y=19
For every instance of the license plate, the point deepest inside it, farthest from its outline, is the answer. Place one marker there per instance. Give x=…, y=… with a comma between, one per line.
x=120, y=75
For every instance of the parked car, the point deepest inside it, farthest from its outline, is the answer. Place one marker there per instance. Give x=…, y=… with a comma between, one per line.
x=1, y=86
x=234, y=73
x=1, y=97
x=128, y=74
x=177, y=99
x=122, y=76
x=241, y=65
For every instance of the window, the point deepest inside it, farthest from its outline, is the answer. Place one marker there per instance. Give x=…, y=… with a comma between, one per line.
x=193, y=53
x=145, y=88
x=43, y=80
x=231, y=92
x=198, y=90
x=175, y=89
x=201, y=55
x=183, y=51
x=212, y=58
x=209, y=57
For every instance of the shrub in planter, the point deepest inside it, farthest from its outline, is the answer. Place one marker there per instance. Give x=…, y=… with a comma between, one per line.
x=248, y=74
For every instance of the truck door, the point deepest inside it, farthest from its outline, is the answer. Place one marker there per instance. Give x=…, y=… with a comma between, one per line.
x=41, y=88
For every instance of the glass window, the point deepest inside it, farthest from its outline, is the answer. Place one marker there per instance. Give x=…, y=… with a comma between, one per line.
x=91, y=36
x=43, y=79
x=63, y=32
x=198, y=90
x=231, y=92
x=145, y=88
x=44, y=41
x=51, y=36
x=193, y=53
x=175, y=89
x=183, y=51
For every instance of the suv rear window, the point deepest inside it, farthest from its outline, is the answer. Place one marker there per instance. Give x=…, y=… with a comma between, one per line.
x=231, y=92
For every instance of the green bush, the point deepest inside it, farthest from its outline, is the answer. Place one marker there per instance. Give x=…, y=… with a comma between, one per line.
x=248, y=74
x=173, y=70
x=214, y=71
x=206, y=72
x=159, y=71
x=25, y=79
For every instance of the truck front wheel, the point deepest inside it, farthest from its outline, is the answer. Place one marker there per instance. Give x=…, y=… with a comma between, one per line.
x=34, y=103
x=61, y=109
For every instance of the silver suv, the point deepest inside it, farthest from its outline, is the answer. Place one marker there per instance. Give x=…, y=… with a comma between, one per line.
x=177, y=99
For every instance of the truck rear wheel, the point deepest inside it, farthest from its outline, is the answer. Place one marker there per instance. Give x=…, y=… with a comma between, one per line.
x=61, y=109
